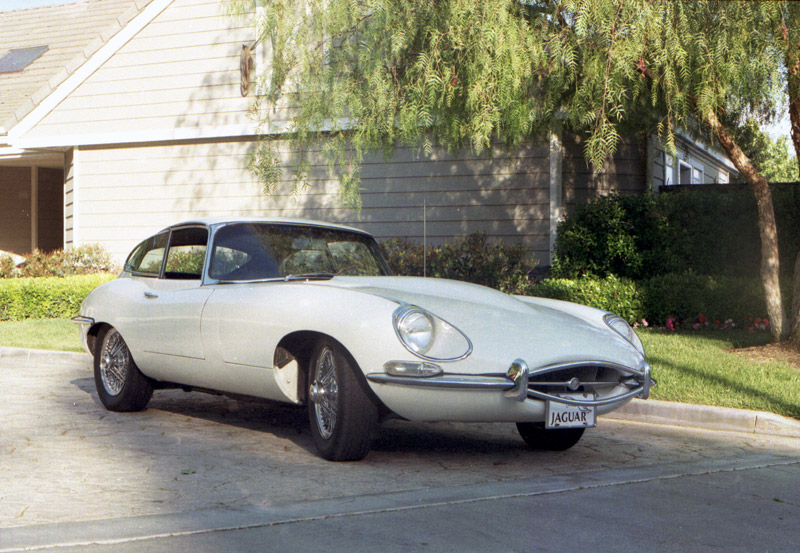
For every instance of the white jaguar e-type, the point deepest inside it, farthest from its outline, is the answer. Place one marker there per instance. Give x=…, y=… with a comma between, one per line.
x=307, y=313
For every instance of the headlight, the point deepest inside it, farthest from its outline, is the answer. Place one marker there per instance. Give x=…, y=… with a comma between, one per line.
x=621, y=327
x=429, y=337
x=416, y=330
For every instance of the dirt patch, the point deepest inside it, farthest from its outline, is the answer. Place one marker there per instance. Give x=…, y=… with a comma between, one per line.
x=771, y=352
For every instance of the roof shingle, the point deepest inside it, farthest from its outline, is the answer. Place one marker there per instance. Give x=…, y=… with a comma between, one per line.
x=72, y=33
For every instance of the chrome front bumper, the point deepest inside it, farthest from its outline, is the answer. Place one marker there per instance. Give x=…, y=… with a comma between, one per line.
x=520, y=382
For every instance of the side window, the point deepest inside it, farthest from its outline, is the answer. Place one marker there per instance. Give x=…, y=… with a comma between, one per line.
x=146, y=258
x=187, y=251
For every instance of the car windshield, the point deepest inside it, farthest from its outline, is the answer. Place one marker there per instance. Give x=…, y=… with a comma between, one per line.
x=256, y=251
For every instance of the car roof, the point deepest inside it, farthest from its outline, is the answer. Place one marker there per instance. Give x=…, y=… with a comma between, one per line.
x=218, y=221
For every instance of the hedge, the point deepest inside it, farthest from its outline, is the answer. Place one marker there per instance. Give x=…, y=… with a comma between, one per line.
x=681, y=297
x=473, y=258
x=700, y=230
x=83, y=260
x=46, y=297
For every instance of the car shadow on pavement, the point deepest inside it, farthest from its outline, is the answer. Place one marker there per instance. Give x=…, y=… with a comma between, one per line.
x=290, y=422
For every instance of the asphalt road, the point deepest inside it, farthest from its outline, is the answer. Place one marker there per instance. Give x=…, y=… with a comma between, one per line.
x=202, y=473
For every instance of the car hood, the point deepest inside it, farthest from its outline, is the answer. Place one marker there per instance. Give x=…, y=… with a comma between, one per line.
x=502, y=326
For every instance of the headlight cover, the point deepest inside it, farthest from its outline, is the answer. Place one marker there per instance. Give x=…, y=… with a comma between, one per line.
x=621, y=327
x=429, y=337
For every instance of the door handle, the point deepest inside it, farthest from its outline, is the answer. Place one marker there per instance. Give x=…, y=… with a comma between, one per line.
x=149, y=294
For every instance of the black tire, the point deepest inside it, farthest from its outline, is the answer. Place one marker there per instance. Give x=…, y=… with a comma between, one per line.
x=342, y=416
x=537, y=437
x=120, y=385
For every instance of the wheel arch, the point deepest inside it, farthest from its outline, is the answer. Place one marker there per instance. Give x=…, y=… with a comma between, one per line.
x=299, y=345
x=95, y=335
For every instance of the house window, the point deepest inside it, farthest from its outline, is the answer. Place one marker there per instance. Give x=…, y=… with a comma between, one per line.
x=684, y=173
x=697, y=176
x=20, y=58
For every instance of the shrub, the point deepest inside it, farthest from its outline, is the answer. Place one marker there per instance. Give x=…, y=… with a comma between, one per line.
x=47, y=297
x=472, y=259
x=620, y=296
x=82, y=260
x=702, y=231
x=684, y=297
x=680, y=297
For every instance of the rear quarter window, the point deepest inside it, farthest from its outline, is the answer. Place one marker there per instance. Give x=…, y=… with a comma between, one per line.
x=147, y=257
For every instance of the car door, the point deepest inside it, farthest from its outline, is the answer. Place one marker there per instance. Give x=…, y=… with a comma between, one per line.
x=171, y=308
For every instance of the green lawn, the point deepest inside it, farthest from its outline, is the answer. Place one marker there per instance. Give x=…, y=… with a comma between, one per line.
x=700, y=367
x=691, y=367
x=55, y=334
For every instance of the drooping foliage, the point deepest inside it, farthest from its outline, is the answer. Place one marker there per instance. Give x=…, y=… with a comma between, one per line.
x=373, y=74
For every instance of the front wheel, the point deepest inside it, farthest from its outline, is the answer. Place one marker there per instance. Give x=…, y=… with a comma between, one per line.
x=342, y=416
x=537, y=437
x=120, y=384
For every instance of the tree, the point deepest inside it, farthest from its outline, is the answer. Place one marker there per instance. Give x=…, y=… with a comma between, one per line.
x=772, y=157
x=373, y=74
x=788, y=36
x=367, y=75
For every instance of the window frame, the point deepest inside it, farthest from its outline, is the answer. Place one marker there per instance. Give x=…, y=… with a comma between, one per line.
x=141, y=245
x=172, y=231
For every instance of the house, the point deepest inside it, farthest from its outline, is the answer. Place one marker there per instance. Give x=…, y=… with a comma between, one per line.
x=119, y=117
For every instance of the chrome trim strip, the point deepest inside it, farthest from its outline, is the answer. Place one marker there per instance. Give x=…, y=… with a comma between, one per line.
x=452, y=381
x=590, y=402
x=80, y=319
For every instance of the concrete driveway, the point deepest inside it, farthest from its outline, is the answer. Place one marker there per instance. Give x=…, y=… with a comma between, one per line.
x=192, y=462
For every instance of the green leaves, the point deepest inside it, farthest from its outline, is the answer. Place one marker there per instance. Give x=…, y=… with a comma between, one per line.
x=466, y=73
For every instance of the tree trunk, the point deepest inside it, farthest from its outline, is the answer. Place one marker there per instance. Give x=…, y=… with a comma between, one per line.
x=793, y=73
x=792, y=61
x=768, y=230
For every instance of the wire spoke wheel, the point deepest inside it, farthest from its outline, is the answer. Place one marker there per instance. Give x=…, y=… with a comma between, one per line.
x=120, y=385
x=115, y=360
x=341, y=414
x=325, y=392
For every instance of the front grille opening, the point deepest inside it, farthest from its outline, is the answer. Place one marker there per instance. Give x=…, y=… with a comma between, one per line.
x=593, y=379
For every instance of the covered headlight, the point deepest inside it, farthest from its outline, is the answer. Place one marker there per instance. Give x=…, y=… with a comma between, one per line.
x=415, y=328
x=429, y=337
x=621, y=327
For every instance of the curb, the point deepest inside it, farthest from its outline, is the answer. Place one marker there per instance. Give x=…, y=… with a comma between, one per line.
x=28, y=354
x=651, y=411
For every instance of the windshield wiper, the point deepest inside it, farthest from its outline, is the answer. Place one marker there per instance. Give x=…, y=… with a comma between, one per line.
x=287, y=278
x=309, y=276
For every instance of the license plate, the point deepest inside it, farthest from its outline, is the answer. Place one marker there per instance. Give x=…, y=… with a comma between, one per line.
x=561, y=415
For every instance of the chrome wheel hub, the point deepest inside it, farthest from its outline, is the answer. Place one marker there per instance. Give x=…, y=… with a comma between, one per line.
x=114, y=363
x=324, y=393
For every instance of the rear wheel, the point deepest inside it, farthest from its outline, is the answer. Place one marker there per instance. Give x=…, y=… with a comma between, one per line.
x=342, y=416
x=537, y=437
x=120, y=384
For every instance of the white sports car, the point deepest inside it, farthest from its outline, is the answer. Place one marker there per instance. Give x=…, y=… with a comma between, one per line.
x=307, y=313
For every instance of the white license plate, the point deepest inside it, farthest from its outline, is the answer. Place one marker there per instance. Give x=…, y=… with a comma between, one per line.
x=561, y=415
